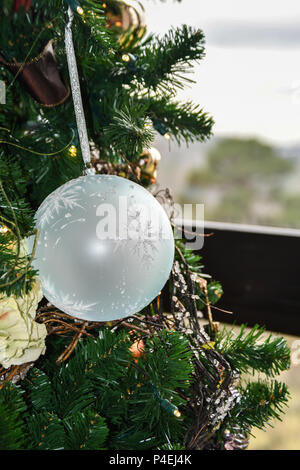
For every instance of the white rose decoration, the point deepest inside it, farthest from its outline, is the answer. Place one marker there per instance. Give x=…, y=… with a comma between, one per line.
x=21, y=338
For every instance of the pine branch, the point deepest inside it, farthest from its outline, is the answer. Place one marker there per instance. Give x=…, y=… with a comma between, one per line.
x=86, y=431
x=129, y=131
x=16, y=222
x=12, y=411
x=250, y=351
x=45, y=430
x=261, y=402
x=192, y=259
x=66, y=404
x=46, y=20
x=15, y=204
x=186, y=122
x=165, y=62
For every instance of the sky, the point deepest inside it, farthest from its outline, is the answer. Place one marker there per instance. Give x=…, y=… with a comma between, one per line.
x=249, y=80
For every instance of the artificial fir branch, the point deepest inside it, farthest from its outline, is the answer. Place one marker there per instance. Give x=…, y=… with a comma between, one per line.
x=128, y=135
x=98, y=381
x=166, y=61
x=101, y=396
x=261, y=402
x=192, y=259
x=186, y=122
x=253, y=351
x=16, y=272
x=12, y=425
x=14, y=184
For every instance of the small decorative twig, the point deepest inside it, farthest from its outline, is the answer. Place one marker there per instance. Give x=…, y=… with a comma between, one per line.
x=70, y=348
x=214, y=326
x=134, y=327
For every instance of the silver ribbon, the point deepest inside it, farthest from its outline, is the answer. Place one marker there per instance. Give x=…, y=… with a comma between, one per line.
x=76, y=93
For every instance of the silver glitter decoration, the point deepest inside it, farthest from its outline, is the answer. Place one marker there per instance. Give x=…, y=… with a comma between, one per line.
x=20, y=375
x=76, y=93
x=223, y=405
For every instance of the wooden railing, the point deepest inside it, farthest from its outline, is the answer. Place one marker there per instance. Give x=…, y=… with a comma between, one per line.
x=259, y=268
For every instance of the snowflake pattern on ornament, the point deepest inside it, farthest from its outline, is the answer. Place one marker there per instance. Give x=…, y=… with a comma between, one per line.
x=65, y=302
x=144, y=236
x=144, y=246
x=64, y=197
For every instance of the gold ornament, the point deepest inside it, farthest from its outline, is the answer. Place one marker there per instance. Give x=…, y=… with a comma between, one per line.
x=127, y=18
x=3, y=229
x=144, y=169
x=148, y=163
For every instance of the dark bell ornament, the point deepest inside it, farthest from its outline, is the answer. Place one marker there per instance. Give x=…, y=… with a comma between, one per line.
x=127, y=19
x=148, y=163
x=21, y=3
x=41, y=77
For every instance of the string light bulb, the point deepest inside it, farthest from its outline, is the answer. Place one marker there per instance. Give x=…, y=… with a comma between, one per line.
x=125, y=58
x=72, y=151
x=166, y=404
x=79, y=10
x=3, y=229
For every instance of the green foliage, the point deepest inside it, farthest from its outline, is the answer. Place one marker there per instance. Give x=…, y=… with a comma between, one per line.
x=101, y=398
x=194, y=265
x=186, y=122
x=253, y=351
x=16, y=217
x=245, y=161
x=192, y=259
x=87, y=431
x=131, y=134
x=247, y=179
x=261, y=402
x=121, y=100
x=44, y=21
x=17, y=275
x=215, y=291
x=13, y=204
x=45, y=431
x=166, y=61
x=12, y=408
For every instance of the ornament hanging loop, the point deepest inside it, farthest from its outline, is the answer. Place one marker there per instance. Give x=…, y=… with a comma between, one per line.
x=76, y=94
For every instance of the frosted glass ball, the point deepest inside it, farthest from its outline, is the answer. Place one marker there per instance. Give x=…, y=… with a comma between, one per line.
x=105, y=247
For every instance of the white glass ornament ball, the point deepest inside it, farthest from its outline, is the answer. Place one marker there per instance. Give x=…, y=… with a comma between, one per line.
x=105, y=247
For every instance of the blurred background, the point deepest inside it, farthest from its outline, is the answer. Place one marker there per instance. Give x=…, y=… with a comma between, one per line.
x=249, y=171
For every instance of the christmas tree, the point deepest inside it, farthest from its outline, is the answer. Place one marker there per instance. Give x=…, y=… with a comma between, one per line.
x=157, y=378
